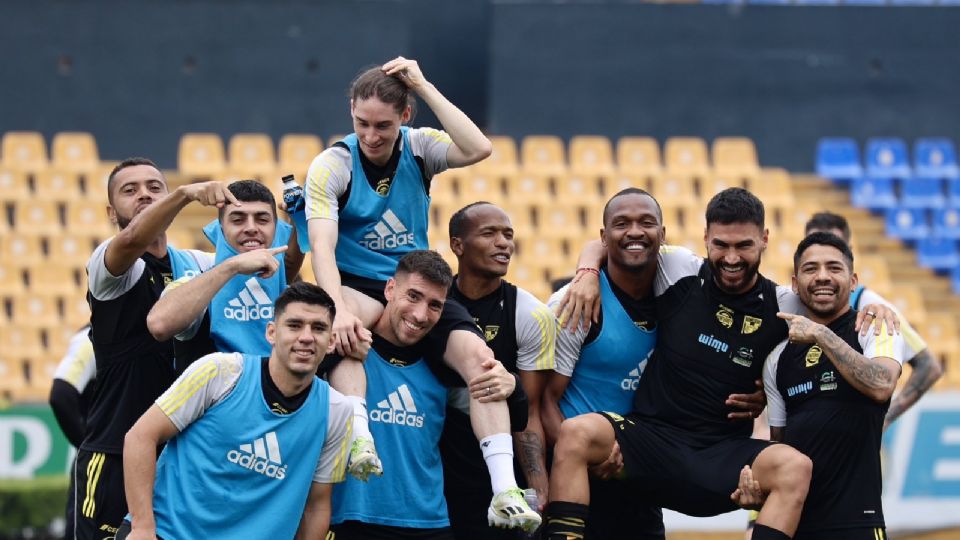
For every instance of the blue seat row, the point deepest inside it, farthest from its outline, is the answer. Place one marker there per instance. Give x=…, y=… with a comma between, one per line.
x=919, y=192
x=838, y=158
x=936, y=234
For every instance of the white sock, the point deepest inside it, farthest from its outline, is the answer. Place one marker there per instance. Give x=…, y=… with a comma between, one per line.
x=360, y=426
x=498, y=453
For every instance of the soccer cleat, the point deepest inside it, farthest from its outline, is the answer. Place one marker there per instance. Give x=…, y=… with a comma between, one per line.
x=509, y=510
x=364, y=460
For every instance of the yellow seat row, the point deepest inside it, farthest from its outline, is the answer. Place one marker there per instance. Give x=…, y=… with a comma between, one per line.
x=251, y=155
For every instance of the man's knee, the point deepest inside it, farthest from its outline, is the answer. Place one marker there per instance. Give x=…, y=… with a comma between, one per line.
x=579, y=436
x=792, y=469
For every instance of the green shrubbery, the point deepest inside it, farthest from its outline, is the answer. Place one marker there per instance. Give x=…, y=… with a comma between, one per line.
x=27, y=507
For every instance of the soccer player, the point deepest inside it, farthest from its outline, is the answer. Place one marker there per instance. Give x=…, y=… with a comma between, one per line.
x=367, y=202
x=74, y=383
x=829, y=389
x=521, y=331
x=238, y=293
x=715, y=325
x=253, y=444
x=408, y=403
x=926, y=369
x=126, y=275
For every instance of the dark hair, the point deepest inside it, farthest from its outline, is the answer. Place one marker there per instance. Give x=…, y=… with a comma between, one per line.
x=373, y=82
x=458, y=221
x=735, y=205
x=307, y=293
x=251, y=191
x=632, y=191
x=129, y=162
x=427, y=263
x=823, y=221
x=822, y=239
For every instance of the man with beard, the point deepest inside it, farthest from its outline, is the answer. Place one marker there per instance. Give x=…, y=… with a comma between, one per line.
x=127, y=273
x=715, y=326
x=521, y=331
x=829, y=389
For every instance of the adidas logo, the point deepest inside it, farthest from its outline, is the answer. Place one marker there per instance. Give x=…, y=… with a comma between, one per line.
x=263, y=456
x=252, y=304
x=633, y=378
x=388, y=233
x=398, y=408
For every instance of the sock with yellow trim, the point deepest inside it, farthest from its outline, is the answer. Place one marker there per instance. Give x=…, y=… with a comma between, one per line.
x=564, y=521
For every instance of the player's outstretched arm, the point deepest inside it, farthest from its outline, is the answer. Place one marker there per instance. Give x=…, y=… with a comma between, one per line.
x=581, y=304
x=470, y=145
x=140, y=468
x=316, y=514
x=132, y=241
x=874, y=377
x=926, y=371
x=184, y=301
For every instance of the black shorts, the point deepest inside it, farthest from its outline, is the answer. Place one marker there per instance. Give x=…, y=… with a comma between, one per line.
x=453, y=317
x=100, y=503
x=674, y=470
x=616, y=513
x=357, y=530
x=863, y=533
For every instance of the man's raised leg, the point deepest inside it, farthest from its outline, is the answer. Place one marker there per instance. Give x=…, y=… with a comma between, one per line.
x=785, y=474
x=470, y=357
x=584, y=441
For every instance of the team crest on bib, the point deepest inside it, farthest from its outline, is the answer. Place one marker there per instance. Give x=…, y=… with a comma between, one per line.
x=490, y=332
x=750, y=324
x=725, y=316
x=813, y=356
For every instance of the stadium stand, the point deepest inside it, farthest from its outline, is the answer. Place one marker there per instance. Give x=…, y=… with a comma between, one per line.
x=873, y=193
x=838, y=158
x=251, y=156
x=23, y=151
x=201, y=156
x=935, y=157
x=886, y=157
x=295, y=152
x=75, y=152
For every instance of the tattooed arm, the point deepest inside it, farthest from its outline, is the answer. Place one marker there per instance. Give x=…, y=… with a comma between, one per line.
x=926, y=371
x=531, y=454
x=874, y=377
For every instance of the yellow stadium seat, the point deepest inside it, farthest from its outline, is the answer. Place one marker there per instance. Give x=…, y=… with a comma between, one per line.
x=57, y=185
x=252, y=156
x=95, y=184
x=686, y=157
x=591, y=155
x=521, y=218
x=531, y=277
x=941, y=334
x=24, y=151
x=443, y=248
x=76, y=311
x=872, y=271
x=579, y=190
x=444, y=188
x=559, y=222
x=715, y=183
x=543, y=154
x=31, y=311
x=639, y=156
x=481, y=188
x=735, y=158
x=909, y=301
x=69, y=250
x=11, y=279
x=89, y=218
x=675, y=191
x=333, y=139
x=75, y=152
x=37, y=218
x=14, y=187
x=57, y=280
x=296, y=152
x=542, y=251
x=621, y=181
x=503, y=160
x=201, y=156
x=19, y=341
x=528, y=187
x=21, y=250
x=774, y=188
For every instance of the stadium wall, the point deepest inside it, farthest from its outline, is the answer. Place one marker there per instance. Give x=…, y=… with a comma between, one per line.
x=138, y=74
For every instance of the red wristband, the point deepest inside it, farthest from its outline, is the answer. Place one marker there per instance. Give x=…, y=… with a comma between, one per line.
x=593, y=271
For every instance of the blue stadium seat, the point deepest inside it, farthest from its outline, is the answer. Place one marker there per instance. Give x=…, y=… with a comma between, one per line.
x=907, y=224
x=838, y=158
x=922, y=193
x=887, y=157
x=940, y=254
x=873, y=193
x=953, y=192
x=946, y=223
x=935, y=158
x=955, y=280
